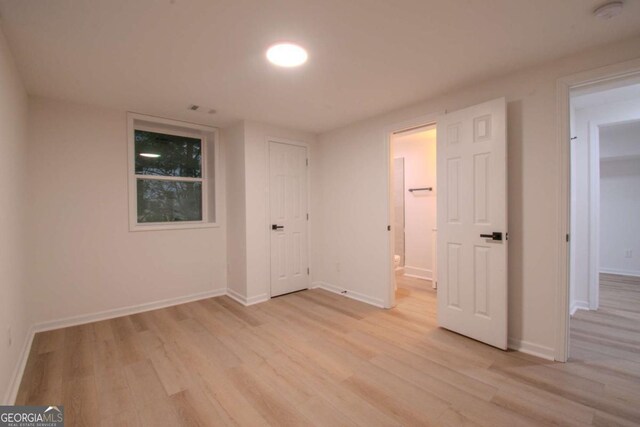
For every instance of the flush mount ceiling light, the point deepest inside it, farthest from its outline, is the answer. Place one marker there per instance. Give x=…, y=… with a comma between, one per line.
x=609, y=10
x=152, y=155
x=287, y=55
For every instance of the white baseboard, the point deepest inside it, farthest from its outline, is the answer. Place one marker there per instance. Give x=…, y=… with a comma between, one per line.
x=632, y=273
x=126, y=311
x=578, y=305
x=532, y=349
x=18, y=372
x=238, y=297
x=349, y=294
x=418, y=273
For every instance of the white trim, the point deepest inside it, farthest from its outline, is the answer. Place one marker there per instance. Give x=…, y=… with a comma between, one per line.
x=594, y=214
x=620, y=272
x=126, y=311
x=168, y=178
x=578, y=305
x=209, y=137
x=421, y=121
x=531, y=348
x=564, y=84
x=418, y=273
x=257, y=299
x=349, y=294
x=267, y=143
x=169, y=122
x=238, y=297
x=16, y=377
x=174, y=226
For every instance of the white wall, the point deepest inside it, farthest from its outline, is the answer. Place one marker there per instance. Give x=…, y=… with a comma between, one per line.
x=620, y=199
x=398, y=225
x=621, y=139
x=582, y=169
x=355, y=193
x=580, y=215
x=419, y=152
x=248, y=155
x=15, y=312
x=83, y=258
x=233, y=139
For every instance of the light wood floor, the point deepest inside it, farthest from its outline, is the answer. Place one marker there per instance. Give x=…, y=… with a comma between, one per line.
x=315, y=358
x=611, y=333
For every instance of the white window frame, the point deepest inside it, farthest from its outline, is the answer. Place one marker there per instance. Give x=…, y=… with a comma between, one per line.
x=209, y=145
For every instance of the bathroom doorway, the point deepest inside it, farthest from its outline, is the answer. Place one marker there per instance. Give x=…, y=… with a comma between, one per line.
x=413, y=210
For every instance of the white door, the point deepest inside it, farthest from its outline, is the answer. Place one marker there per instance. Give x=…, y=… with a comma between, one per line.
x=472, y=222
x=288, y=226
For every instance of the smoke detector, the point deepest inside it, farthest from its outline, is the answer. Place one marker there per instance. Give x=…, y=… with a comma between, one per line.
x=202, y=109
x=609, y=10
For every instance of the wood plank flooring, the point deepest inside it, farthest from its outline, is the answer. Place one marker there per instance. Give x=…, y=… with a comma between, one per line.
x=610, y=336
x=315, y=358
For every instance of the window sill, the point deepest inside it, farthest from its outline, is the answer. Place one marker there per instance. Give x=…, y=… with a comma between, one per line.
x=162, y=227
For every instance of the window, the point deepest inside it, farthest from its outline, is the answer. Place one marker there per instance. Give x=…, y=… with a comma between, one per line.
x=171, y=174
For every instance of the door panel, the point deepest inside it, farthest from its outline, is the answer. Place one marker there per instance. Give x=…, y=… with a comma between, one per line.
x=472, y=201
x=288, y=206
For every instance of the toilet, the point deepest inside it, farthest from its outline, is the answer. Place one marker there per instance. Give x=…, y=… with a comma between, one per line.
x=399, y=271
x=396, y=264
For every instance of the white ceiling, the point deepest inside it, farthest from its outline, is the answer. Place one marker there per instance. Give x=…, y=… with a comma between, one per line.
x=366, y=56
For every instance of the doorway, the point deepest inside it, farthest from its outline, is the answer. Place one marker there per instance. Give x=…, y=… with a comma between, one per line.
x=604, y=264
x=288, y=217
x=414, y=207
x=472, y=236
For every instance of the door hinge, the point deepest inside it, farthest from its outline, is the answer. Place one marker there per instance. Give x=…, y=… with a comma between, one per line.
x=567, y=237
x=307, y=162
x=307, y=271
x=307, y=217
x=388, y=228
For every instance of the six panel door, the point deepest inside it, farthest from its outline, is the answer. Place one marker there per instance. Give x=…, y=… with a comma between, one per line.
x=288, y=207
x=472, y=222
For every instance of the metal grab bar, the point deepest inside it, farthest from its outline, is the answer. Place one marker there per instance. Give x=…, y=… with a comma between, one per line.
x=411, y=190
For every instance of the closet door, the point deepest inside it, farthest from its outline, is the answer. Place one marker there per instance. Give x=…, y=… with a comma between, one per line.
x=289, y=216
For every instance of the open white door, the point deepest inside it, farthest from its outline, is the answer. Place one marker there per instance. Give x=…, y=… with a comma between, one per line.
x=288, y=206
x=472, y=222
